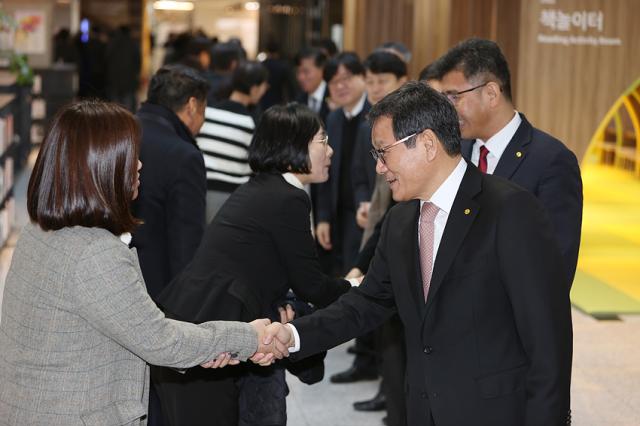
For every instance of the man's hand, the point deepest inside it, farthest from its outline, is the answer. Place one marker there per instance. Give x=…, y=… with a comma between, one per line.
x=362, y=215
x=269, y=349
x=323, y=234
x=355, y=273
x=279, y=335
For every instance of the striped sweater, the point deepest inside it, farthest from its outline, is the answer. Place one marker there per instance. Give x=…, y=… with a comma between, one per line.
x=224, y=141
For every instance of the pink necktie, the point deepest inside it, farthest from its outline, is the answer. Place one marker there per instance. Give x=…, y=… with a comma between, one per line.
x=427, y=217
x=482, y=161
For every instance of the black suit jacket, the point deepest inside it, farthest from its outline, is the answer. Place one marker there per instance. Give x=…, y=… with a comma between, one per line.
x=329, y=190
x=492, y=346
x=364, y=166
x=257, y=248
x=303, y=99
x=543, y=165
x=171, y=199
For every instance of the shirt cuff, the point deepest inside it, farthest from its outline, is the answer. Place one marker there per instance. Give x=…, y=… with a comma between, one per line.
x=353, y=281
x=296, y=338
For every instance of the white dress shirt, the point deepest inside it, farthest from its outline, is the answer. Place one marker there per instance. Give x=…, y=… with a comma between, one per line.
x=356, y=109
x=443, y=198
x=496, y=144
x=314, y=101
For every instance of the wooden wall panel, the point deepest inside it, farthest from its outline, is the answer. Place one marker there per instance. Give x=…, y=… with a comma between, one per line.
x=368, y=23
x=567, y=90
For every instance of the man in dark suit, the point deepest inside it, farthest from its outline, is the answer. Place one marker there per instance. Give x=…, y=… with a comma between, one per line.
x=337, y=229
x=469, y=262
x=171, y=201
x=310, y=63
x=475, y=77
x=172, y=181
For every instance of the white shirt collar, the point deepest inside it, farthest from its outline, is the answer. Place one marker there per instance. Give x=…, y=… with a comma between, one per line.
x=318, y=94
x=293, y=180
x=497, y=143
x=446, y=193
x=356, y=109
x=126, y=238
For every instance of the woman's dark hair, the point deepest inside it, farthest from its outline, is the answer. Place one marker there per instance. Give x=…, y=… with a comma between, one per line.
x=86, y=169
x=281, y=140
x=248, y=74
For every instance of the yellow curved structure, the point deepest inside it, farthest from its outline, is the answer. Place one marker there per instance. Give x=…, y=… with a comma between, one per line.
x=616, y=140
x=608, y=278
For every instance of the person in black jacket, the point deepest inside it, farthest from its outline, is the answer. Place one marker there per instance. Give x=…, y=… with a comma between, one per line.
x=257, y=247
x=171, y=203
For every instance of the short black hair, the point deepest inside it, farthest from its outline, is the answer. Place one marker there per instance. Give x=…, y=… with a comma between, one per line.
x=385, y=62
x=430, y=72
x=326, y=44
x=280, y=143
x=172, y=86
x=248, y=74
x=349, y=60
x=318, y=56
x=476, y=57
x=223, y=55
x=415, y=107
x=399, y=48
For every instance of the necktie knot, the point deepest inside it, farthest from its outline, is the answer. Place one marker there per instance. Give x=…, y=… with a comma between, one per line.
x=428, y=212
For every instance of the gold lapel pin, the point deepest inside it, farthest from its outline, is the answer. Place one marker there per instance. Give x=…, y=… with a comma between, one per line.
x=467, y=211
x=518, y=154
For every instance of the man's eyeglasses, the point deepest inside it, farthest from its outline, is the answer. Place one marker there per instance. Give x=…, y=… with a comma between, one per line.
x=454, y=96
x=378, y=154
x=323, y=140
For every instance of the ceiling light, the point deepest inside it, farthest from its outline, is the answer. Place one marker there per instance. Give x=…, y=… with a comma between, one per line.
x=173, y=5
x=252, y=5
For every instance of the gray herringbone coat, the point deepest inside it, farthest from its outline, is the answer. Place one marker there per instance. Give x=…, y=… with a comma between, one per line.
x=78, y=328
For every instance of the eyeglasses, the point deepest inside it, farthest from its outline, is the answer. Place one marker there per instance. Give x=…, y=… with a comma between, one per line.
x=454, y=96
x=324, y=141
x=378, y=154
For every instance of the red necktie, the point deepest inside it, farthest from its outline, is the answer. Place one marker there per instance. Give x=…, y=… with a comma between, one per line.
x=482, y=161
x=428, y=214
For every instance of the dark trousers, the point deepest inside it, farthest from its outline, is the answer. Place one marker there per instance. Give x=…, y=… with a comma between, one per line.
x=391, y=345
x=346, y=236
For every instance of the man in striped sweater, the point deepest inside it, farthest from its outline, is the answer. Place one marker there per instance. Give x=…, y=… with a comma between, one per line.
x=226, y=134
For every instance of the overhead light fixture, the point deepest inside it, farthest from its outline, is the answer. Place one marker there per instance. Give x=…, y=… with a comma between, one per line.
x=252, y=5
x=173, y=5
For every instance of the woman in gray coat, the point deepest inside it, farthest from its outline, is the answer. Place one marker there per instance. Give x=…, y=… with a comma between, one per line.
x=78, y=326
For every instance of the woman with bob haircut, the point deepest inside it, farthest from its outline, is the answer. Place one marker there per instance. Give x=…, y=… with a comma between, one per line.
x=258, y=247
x=78, y=326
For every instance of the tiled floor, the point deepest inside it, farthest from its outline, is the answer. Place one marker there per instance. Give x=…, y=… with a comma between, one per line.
x=605, y=386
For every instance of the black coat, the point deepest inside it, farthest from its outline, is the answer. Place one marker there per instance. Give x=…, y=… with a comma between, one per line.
x=492, y=346
x=257, y=247
x=171, y=199
x=542, y=164
x=324, y=108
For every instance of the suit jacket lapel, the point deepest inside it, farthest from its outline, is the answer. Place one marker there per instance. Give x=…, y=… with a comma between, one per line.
x=463, y=213
x=409, y=232
x=516, y=150
x=466, y=148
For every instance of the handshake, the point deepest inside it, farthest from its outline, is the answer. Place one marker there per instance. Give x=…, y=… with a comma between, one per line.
x=274, y=341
